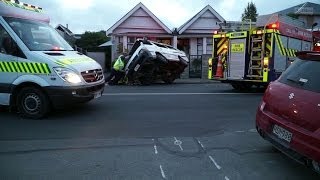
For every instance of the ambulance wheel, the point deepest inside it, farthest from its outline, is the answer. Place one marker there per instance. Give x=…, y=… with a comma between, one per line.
x=32, y=103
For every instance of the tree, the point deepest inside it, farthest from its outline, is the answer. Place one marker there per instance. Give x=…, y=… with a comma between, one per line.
x=250, y=12
x=92, y=40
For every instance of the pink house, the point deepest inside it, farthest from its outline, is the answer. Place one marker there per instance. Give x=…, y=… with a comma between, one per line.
x=194, y=37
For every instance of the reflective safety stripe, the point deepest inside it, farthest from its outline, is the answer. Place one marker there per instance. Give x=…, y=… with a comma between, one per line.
x=267, y=31
x=221, y=46
x=221, y=50
x=70, y=61
x=284, y=51
x=221, y=35
x=265, y=69
x=210, y=69
x=25, y=67
x=291, y=52
x=269, y=42
x=280, y=45
x=265, y=74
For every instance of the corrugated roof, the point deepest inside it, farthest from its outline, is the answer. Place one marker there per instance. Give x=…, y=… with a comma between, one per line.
x=306, y=8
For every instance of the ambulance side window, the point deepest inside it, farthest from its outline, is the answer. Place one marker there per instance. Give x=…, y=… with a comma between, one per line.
x=8, y=45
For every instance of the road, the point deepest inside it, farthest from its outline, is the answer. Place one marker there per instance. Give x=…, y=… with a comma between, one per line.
x=179, y=131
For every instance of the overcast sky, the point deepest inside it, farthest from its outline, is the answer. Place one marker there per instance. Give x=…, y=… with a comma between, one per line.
x=96, y=15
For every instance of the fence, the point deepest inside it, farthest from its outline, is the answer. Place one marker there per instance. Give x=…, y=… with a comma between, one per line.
x=195, y=66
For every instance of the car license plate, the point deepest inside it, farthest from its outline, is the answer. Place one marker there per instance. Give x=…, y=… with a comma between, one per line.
x=282, y=133
x=137, y=67
x=97, y=95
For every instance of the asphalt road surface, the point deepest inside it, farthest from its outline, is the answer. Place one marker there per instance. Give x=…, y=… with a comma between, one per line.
x=179, y=131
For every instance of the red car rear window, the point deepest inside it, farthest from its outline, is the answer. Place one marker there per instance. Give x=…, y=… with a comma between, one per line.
x=303, y=74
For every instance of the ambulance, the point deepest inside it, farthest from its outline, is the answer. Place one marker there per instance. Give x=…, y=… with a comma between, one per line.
x=39, y=70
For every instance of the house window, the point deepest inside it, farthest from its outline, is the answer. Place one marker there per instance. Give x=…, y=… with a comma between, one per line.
x=184, y=45
x=120, y=45
x=199, y=46
x=164, y=41
x=131, y=41
x=209, y=45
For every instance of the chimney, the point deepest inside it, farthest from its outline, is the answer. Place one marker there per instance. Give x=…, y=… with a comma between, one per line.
x=67, y=26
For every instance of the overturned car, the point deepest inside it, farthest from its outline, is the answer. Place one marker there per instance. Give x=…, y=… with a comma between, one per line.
x=150, y=61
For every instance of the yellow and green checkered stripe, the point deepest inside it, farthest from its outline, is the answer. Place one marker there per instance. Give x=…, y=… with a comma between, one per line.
x=70, y=61
x=284, y=51
x=280, y=45
x=24, y=67
x=290, y=52
x=268, y=45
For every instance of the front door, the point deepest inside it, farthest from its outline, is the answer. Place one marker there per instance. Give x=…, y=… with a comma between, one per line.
x=8, y=73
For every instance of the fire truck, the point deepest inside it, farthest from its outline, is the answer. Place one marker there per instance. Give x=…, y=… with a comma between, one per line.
x=316, y=40
x=259, y=55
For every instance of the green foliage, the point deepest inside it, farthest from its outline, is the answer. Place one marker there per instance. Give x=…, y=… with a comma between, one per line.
x=250, y=12
x=91, y=40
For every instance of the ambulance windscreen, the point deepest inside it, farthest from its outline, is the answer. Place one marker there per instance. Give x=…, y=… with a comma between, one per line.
x=38, y=36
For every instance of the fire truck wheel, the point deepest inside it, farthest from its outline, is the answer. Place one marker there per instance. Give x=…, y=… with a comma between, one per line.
x=32, y=103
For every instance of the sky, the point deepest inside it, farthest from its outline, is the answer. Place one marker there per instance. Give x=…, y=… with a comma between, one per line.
x=96, y=15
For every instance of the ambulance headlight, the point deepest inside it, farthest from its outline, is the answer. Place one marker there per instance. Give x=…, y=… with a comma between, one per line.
x=68, y=75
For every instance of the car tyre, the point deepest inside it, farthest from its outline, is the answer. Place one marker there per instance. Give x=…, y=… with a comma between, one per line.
x=161, y=58
x=169, y=79
x=32, y=103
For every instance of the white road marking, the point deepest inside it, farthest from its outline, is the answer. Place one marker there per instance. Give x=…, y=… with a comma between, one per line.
x=226, y=178
x=240, y=131
x=172, y=94
x=155, y=149
x=178, y=143
x=162, y=172
x=200, y=143
x=215, y=163
x=214, y=85
x=253, y=130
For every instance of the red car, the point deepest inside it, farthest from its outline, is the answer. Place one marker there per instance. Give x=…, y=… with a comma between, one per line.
x=289, y=114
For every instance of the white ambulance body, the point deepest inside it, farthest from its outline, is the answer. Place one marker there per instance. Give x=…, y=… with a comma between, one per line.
x=38, y=68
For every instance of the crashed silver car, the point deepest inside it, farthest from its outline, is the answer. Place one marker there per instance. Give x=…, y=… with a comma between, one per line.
x=151, y=61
